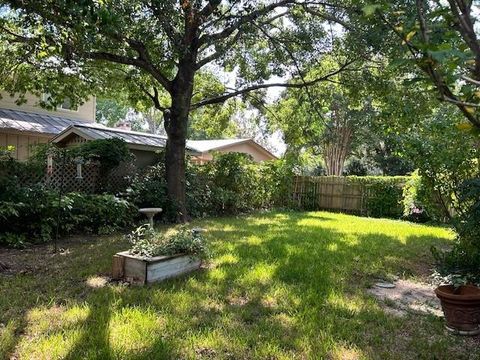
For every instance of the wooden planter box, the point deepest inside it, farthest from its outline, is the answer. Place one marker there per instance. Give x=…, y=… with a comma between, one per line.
x=143, y=270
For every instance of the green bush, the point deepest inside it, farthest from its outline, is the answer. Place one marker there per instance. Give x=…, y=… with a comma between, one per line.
x=461, y=264
x=418, y=201
x=31, y=215
x=384, y=194
x=229, y=184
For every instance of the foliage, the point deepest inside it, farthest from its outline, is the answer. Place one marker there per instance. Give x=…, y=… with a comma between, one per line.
x=436, y=43
x=31, y=215
x=445, y=155
x=182, y=240
x=99, y=214
x=355, y=167
x=140, y=240
x=418, y=201
x=331, y=118
x=385, y=194
x=237, y=184
x=109, y=111
x=229, y=184
x=157, y=50
x=461, y=264
x=14, y=172
x=108, y=152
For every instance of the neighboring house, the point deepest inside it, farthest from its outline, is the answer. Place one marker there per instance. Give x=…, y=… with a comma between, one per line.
x=207, y=148
x=25, y=126
x=143, y=145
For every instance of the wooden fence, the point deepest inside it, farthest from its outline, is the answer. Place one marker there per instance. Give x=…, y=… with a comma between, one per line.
x=330, y=193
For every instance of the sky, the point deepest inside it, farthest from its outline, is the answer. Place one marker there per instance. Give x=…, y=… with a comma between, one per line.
x=275, y=140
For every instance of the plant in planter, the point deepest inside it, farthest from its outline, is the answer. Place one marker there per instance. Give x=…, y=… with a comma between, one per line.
x=156, y=256
x=459, y=269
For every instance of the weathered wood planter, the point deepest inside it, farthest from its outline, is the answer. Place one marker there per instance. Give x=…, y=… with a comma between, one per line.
x=142, y=270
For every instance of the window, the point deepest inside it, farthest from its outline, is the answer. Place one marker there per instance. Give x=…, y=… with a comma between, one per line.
x=66, y=105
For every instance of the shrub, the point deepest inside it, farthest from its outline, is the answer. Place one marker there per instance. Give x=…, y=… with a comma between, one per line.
x=32, y=215
x=355, y=167
x=461, y=264
x=149, y=188
x=108, y=152
x=229, y=184
x=99, y=214
x=234, y=182
x=419, y=202
x=384, y=194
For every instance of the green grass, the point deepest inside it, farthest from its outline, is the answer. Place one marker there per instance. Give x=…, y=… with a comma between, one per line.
x=279, y=286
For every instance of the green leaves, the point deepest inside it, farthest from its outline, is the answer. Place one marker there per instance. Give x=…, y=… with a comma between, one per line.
x=370, y=9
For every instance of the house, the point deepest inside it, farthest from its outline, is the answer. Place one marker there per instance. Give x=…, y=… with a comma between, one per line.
x=22, y=127
x=25, y=126
x=143, y=145
x=248, y=146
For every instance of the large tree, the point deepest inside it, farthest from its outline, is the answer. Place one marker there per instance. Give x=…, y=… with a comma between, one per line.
x=330, y=119
x=161, y=46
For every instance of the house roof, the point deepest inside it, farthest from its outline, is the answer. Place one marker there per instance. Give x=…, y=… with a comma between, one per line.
x=139, y=140
x=61, y=128
x=32, y=122
x=210, y=145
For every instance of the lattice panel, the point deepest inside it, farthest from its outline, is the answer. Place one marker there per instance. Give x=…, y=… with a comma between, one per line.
x=68, y=175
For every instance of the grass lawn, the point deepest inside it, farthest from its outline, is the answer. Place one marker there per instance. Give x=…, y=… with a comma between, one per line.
x=279, y=286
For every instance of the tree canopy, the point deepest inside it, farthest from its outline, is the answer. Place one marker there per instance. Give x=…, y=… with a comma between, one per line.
x=159, y=47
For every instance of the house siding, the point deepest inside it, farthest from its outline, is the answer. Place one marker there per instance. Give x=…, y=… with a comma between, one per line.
x=23, y=144
x=85, y=112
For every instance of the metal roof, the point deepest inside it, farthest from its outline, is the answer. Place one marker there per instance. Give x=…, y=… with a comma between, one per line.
x=93, y=132
x=61, y=127
x=130, y=137
x=33, y=122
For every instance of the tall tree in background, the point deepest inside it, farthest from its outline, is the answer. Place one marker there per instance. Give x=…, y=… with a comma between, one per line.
x=330, y=119
x=161, y=45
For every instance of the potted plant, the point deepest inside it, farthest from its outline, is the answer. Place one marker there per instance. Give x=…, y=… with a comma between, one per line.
x=459, y=269
x=155, y=256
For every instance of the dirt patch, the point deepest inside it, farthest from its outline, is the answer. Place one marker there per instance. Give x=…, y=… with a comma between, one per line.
x=408, y=296
x=39, y=258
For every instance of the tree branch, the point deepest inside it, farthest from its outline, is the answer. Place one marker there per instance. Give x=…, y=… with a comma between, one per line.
x=208, y=59
x=242, y=20
x=138, y=62
x=222, y=98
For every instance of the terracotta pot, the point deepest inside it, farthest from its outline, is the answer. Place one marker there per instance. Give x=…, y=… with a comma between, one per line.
x=461, y=307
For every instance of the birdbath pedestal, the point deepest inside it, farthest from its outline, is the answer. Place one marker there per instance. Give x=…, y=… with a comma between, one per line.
x=150, y=213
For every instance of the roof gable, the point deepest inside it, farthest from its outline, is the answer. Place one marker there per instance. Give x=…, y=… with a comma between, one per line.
x=223, y=144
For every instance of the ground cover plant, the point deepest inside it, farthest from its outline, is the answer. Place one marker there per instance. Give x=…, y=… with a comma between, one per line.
x=146, y=242
x=278, y=285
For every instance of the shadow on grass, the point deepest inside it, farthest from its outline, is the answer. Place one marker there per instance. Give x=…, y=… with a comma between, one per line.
x=279, y=285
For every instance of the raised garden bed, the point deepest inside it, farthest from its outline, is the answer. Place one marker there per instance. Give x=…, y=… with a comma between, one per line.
x=142, y=270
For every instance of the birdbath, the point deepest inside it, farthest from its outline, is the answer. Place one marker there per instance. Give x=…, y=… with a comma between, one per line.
x=150, y=213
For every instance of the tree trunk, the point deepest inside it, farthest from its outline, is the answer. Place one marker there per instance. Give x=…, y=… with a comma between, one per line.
x=337, y=142
x=176, y=123
x=175, y=176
